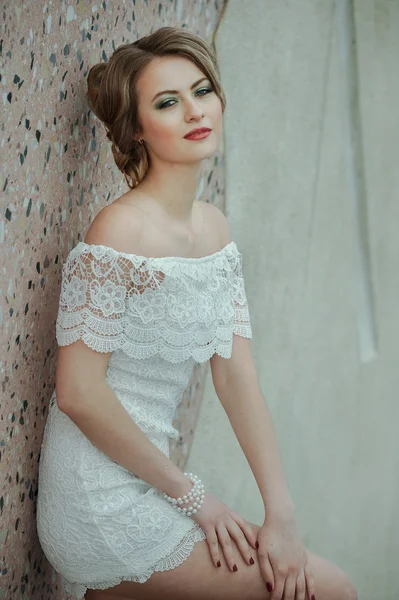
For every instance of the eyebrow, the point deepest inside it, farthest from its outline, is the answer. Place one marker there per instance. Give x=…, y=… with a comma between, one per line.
x=177, y=91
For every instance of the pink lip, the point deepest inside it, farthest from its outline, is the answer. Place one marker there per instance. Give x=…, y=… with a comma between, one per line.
x=197, y=134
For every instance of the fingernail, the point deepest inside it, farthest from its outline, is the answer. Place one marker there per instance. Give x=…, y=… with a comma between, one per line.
x=251, y=560
x=235, y=568
x=313, y=598
x=218, y=563
x=269, y=587
x=256, y=544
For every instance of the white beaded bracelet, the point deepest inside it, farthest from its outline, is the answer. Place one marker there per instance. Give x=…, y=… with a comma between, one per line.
x=195, y=495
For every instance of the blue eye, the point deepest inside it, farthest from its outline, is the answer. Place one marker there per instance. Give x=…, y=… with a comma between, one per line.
x=207, y=90
x=166, y=104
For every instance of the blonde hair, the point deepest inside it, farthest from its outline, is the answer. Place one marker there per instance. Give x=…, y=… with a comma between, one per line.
x=111, y=90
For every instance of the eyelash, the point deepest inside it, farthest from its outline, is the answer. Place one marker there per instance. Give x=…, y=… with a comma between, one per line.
x=166, y=105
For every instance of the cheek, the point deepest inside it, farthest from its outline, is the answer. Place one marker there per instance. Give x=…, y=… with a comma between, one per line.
x=161, y=130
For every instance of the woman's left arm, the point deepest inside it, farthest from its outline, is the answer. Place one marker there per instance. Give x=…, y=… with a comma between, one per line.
x=236, y=384
x=282, y=555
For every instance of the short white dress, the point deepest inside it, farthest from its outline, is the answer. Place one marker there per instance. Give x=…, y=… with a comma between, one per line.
x=99, y=524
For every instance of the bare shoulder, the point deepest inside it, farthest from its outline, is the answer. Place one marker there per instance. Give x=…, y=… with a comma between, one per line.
x=133, y=224
x=119, y=226
x=220, y=220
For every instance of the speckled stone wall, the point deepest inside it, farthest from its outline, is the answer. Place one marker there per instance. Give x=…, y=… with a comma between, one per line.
x=57, y=172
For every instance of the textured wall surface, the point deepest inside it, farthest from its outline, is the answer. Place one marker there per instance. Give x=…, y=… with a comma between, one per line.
x=312, y=196
x=57, y=172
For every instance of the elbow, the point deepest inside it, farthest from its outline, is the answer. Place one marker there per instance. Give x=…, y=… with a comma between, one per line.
x=66, y=400
x=76, y=402
x=72, y=395
x=65, y=393
x=70, y=398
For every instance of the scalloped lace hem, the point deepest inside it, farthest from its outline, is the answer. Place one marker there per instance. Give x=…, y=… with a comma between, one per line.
x=179, y=555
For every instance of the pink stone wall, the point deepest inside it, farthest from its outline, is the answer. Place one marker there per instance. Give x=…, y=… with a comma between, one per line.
x=56, y=173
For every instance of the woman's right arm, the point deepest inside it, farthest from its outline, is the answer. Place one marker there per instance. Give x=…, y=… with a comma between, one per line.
x=92, y=405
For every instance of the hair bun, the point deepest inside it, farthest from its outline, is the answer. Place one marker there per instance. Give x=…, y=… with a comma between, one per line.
x=94, y=79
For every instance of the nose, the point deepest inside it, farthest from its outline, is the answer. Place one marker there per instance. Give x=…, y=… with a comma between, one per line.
x=193, y=110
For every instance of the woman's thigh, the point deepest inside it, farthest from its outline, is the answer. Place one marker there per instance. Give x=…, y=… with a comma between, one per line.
x=198, y=579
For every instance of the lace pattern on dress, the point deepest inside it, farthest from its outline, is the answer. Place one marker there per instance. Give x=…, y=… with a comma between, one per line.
x=176, y=307
x=179, y=555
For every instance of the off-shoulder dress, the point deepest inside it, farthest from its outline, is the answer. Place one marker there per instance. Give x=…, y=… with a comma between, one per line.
x=99, y=524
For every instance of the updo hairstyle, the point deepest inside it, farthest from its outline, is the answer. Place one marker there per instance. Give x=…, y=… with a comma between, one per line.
x=111, y=91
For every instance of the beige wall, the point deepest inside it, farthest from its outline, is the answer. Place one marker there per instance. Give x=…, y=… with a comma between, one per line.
x=56, y=173
x=312, y=131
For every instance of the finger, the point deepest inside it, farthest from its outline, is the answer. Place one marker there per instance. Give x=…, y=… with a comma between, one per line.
x=237, y=534
x=300, y=586
x=280, y=576
x=266, y=570
x=225, y=542
x=309, y=581
x=289, y=587
x=246, y=528
x=278, y=590
x=213, y=544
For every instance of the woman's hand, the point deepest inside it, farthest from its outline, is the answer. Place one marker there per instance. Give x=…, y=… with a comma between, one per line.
x=220, y=525
x=283, y=560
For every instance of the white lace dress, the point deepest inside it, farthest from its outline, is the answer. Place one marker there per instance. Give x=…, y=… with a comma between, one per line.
x=99, y=524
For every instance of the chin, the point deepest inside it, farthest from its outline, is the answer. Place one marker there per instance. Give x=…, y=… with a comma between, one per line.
x=205, y=150
x=203, y=154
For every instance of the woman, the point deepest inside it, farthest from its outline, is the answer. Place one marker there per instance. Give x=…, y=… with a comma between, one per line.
x=156, y=286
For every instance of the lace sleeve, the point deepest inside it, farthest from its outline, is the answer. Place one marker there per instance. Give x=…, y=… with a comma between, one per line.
x=171, y=306
x=242, y=323
x=95, y=288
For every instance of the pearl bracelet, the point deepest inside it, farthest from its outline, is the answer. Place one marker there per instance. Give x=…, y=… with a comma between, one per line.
x=195, y=495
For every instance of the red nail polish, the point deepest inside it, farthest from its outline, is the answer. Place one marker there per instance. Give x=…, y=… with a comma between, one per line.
x=256, y=544
x=251, y=560
x=313, y=598
x=235, y=568
x=218, y=563
x=269, y=587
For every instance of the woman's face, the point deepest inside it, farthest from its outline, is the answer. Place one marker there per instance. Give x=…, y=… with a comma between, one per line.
x=167, y=116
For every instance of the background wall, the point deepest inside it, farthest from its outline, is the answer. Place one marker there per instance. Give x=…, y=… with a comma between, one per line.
x=311, y=138
x=57, y=172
